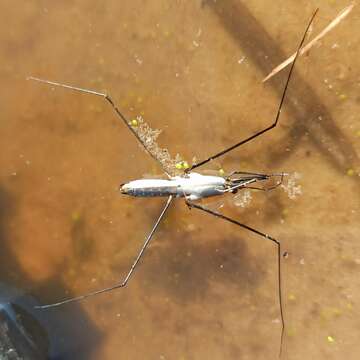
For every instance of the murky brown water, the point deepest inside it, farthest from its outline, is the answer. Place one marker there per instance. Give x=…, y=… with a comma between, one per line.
x=205, y=289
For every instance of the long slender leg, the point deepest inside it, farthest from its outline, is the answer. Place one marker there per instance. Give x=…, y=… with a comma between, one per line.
x=263, y=188
x=127, y=277
x=252, y=173
x=267, y=237
x=277, y=184
x=242, y=142
x=242, y=186
x=253, y=177
x=115, y=108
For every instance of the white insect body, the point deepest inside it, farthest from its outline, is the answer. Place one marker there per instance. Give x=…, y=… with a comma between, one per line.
x=192, y=186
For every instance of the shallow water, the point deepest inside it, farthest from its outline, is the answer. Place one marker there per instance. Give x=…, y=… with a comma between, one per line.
x=205, y=289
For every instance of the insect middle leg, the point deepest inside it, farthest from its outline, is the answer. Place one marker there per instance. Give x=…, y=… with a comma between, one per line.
x=275, y=122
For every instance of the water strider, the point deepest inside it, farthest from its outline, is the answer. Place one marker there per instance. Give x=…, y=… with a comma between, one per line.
x=190, y=185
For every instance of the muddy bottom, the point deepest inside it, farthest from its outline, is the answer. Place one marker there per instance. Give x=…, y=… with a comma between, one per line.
x=205, y=289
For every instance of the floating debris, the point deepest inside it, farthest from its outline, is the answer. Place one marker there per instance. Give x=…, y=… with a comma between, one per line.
x=342, y=15
x=291, y=187
x=134, y=123
x=292, y=297
x=75, y=216
x=342, y=96
x=148, y=136
x=243, y=199
x=330, y=339
x=182, y=165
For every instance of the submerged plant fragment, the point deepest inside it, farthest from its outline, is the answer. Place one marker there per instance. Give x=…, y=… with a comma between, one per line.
x=148, y=137
x=291, y=186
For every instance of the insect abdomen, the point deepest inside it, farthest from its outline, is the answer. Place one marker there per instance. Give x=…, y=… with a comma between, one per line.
x=153, y=191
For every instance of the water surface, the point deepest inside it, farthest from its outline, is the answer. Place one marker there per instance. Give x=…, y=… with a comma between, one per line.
x=205, y=289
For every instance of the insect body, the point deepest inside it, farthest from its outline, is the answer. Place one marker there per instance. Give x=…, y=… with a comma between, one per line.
x=192, y=186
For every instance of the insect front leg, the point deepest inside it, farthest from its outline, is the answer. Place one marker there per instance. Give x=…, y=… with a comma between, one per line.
x=124, y=282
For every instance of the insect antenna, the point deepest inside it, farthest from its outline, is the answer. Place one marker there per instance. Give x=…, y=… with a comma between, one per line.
x=273, y=125
x=124, y=282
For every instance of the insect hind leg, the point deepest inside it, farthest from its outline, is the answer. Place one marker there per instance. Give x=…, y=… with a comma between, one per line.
x=263, y=235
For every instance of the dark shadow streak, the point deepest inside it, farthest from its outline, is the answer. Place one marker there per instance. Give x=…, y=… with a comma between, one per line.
x=69, y=330
x=265, y=53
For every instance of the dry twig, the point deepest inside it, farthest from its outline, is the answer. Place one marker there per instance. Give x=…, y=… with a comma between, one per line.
x=341, y=16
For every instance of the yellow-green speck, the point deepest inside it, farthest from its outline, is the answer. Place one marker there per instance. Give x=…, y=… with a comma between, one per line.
x=182, y=165
x=350, y=172
x=330, y=339
x=285, y=212
x=221, y=172
x=291, y=332
x=357, y=133
x=342, y=96
x=75, y=216
x=185, y=165
x=292, y=297
x=134, y=123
